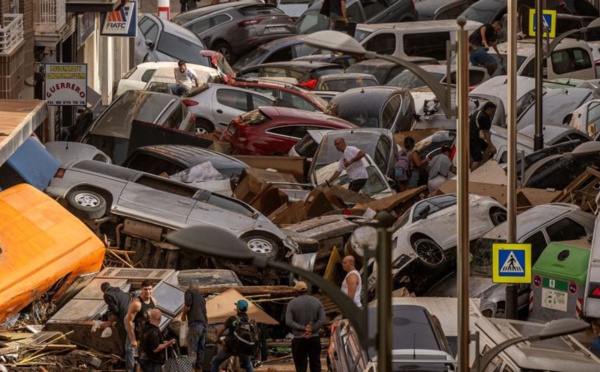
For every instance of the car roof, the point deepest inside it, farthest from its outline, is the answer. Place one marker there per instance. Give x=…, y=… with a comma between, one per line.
x=369, y=98
x=191, y=155
x=299, y=65
x=192, y=15
x=304, y=116
x=526, y=47
x=347, y=75
x=531, y=219
x=429, y=8
x=284, y=41
x=550, y=131
x=429, y=26
x=175, y=29
x=381, y=62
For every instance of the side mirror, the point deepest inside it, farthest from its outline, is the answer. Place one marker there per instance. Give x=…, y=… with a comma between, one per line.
x=149, y=43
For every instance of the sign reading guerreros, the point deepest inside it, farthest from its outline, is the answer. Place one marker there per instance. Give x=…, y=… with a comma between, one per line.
x=66, y=84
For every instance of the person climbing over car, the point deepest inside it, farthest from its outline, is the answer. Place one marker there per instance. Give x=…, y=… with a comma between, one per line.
x=408, y=165
x=480, y=42
x=481, y=147
x=183, y=79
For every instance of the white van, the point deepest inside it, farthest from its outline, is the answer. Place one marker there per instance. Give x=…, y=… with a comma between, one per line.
x=425, y=38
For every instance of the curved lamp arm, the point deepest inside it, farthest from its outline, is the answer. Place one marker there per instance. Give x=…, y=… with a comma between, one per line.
x=491, y=354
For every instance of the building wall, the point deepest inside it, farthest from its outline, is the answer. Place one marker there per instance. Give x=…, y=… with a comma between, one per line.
x=26, y=8
x=12, y=71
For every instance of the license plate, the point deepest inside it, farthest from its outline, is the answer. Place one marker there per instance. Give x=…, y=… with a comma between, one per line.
x=278, y=29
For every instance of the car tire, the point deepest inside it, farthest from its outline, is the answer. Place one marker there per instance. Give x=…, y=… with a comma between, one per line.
x=429, y=252
x=86, y=204
x=204, y=126
x=262, y=245
x=226, y=51
x=497, y=216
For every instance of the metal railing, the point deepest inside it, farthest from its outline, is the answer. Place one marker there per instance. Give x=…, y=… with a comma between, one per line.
x=49, y=15
x=11, y=33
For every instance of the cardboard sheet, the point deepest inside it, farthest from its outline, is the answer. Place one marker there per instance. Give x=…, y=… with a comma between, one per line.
x=221, y=307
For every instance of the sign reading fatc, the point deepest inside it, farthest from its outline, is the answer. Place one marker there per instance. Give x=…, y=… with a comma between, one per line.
x=66, y=84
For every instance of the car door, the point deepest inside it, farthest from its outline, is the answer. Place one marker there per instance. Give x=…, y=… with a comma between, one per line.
x=200, y=27
x=150, y=31
x=228, y=103
x=256, y=99
x=284, y=137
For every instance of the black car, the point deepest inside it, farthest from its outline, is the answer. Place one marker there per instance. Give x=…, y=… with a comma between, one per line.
x=280, y=50
x=374, y=11
x=386, y=107
x=305, y=72
x=430, y=10
x=235, y=28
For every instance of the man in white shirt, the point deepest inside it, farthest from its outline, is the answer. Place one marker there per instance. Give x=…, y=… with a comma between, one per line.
x=183, y=79
x=352, y=284
x=351, y=161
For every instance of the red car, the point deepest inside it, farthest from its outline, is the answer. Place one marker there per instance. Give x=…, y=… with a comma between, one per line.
x=274, y=130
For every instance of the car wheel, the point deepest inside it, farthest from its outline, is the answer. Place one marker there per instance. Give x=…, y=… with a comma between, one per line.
x=262, y=245
x=497, y=216
x=429, y=252
x=204, y=126
x=86, y=204
x=225, y=50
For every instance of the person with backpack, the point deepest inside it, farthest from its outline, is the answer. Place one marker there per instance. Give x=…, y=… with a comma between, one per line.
x=408, y=163
x=305, y=315
x=439, y=169
x=152, y=344
x=241, y=339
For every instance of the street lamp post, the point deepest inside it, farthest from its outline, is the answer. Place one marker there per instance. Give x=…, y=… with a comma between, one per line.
x=218, y=242
x=552, y=329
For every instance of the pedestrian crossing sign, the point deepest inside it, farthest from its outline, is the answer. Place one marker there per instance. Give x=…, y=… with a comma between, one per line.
x=511, y=263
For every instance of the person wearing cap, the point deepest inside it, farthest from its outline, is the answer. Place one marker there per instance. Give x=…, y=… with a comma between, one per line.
x=118, y=305
x=440, y=169
x=241, y=307
x=305, y=315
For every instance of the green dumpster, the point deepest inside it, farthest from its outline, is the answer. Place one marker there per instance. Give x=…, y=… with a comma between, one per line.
x=558, y=281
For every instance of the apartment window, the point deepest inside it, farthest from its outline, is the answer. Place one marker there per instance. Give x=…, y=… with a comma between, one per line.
x=14, y=6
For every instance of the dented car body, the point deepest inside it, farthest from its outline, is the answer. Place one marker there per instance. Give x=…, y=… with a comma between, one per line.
x=43, y=249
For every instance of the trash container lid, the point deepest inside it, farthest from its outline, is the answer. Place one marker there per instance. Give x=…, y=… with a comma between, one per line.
x=563, y=261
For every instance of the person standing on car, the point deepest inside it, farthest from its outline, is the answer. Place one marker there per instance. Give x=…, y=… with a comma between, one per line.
x=413, y=162
x=152, y=344
x=138, y=314
x=118, y=305
x=480, y=42
x=480, y=137
x=305, y=315
x=439, y=169
x=194, y=311
x=183, y=79
x=187, y=5
x=227, y=351
x=352, y=284
x=351, y=161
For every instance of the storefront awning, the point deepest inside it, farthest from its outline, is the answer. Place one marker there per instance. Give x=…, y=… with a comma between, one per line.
x=85, y=6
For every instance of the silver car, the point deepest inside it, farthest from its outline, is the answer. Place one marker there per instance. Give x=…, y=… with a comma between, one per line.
x=92, y=189
x=215, y=105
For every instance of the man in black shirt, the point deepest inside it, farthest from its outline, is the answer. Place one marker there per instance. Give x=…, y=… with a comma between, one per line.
x=118, y=304
x=481, y=148
x=479, y=43
x=152, y=345
x=139, y=313
x=195, y=313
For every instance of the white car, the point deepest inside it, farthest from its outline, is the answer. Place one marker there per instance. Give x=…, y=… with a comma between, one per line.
x=139, y=76
x=428, y=229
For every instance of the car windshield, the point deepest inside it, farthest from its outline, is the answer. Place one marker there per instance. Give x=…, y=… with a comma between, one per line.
x=311, y=21
x=306, y=147
x=432, y=205
x=360, y=35
x=407, y=79
x=482, y=256
x=182, y=49
x=483, y=11
x=375, y=183
x=342, y=85
x=254, y=57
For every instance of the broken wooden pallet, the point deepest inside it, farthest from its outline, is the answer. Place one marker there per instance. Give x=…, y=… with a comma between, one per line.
x=582, y=191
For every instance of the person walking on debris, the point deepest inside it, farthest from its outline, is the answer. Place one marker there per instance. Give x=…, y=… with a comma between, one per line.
x=481, y=148
x=233, y=345
x=305, y=315
x=352, y=284
x=138, y=313
x=152, y=344
x=194, y=311
x=183, y=79
x=408, y=164
x=479, y=44
x=351, y=161
x=118, y=304
x=439, y=169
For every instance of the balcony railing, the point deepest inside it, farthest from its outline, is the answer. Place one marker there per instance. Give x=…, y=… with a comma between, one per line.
x=11, y=33
x=49, y=16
